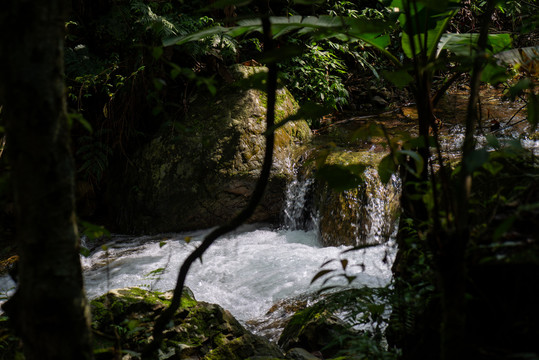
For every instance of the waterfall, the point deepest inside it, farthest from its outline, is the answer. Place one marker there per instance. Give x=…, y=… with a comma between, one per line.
x=364, y=215
x=298, y=213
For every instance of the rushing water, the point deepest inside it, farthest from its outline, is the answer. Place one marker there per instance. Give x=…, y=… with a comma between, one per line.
x=246, y=272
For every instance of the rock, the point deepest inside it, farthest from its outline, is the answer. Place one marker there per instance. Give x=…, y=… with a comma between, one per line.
x=201, y=172
x=300, y=354
x=379, y=101
x=198, y=330
x=315, y=330
x=342, y=221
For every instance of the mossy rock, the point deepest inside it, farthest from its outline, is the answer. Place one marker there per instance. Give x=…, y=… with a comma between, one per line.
x=201, y=171
x=315, y=329
x=364, y=213
x=198, y=330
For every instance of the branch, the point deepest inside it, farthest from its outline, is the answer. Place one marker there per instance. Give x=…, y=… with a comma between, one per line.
x=244, y=215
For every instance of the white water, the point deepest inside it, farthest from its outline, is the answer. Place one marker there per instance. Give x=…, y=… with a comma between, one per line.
x=246, y=272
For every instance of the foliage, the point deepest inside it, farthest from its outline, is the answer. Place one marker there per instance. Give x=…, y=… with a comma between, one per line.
x=316, y=76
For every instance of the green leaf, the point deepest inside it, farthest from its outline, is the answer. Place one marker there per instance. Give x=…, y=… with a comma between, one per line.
x=493, y=141
x=503, y=227
x=494, y=74
x=159, y=83
x=157, y=52
x=463, y=44
x=400, y=78
x=493, y=167
x=84, y=251
x=158, y=271
x=386, y=168
x=341, y=177
x=80, y=119
x=93, y=231
x=438, y=5
x=418, y=161
x=475, y=160
x=519, y=87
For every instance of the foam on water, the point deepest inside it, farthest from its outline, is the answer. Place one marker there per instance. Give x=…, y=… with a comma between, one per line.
x=246, y=272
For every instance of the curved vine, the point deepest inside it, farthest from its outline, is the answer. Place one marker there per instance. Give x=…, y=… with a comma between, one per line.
x=244, y=215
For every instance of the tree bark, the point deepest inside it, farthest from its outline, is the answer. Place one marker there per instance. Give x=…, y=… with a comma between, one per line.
x=49, y=310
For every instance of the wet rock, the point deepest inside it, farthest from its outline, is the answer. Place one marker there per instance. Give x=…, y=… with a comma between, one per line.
x=315, y=330
x=379, y=101
x=341, y=220
x=201, y=172
x=124, y=319
x=300, y=354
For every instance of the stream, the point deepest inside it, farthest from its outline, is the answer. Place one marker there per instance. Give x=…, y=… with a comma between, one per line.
x=246, y=272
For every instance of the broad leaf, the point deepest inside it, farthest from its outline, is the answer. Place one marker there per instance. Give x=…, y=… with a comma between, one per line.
x=463, y=44
x=386, y=168
x=341, y=177
x=475, y=160
x=399, y=78
x=494, y=74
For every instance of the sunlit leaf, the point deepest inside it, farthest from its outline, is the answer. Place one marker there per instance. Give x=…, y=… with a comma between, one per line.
x=155, y=272
x=463, y=44
x=187, y=240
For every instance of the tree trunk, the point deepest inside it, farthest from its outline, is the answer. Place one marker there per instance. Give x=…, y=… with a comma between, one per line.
x=49, y=310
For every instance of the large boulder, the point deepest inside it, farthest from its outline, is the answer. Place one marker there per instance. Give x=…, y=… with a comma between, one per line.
x=123, y=319
x=201, y=172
